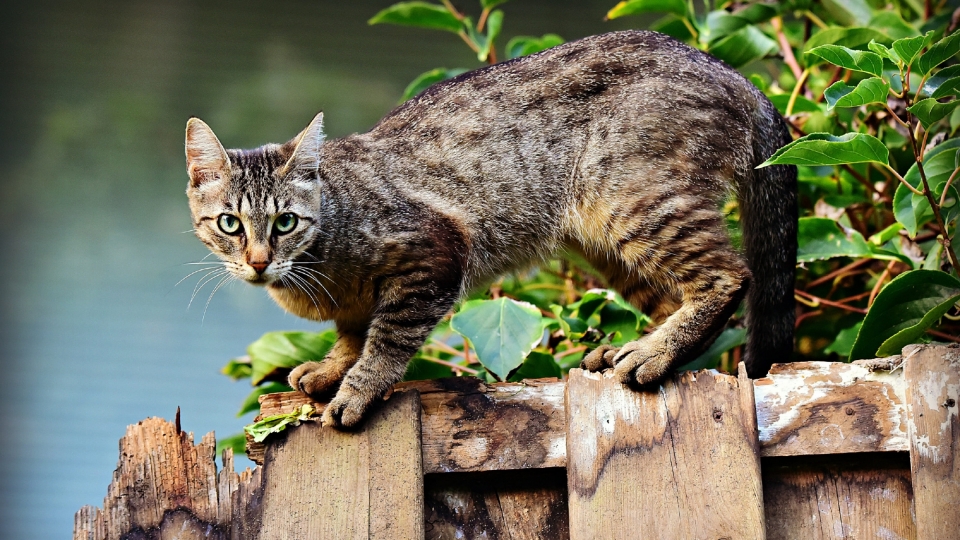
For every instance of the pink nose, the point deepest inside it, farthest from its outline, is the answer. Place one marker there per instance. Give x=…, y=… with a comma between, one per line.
x=259, y=266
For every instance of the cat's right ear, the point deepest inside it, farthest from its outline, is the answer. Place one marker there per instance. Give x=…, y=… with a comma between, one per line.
x=207, y=161
x=306, y=152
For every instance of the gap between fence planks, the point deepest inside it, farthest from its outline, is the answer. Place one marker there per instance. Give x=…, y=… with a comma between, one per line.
x=805, y=408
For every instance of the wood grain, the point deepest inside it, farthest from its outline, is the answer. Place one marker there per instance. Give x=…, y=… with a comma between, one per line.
x=813, y=408
x=324, y=483
x=669, y=463
x=845, y=496
x=932, y=375
x=511, y=505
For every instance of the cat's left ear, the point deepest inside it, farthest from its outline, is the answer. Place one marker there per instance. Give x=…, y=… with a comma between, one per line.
x=306, y=152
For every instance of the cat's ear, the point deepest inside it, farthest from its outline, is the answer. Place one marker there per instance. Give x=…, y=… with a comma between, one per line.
x=207, y=161
x=306, y=152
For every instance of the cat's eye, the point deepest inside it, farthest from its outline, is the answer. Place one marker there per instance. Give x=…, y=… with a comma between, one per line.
x=285, y=223
x=230, y=224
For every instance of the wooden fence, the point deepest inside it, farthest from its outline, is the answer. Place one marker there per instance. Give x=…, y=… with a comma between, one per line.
x=814, y=450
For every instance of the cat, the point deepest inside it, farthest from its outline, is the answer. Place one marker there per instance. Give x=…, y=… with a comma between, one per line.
x=621, y=147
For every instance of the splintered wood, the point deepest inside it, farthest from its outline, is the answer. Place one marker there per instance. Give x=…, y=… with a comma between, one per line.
x=678, y=462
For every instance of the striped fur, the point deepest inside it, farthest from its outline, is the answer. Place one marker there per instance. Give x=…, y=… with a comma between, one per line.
x=622, y=147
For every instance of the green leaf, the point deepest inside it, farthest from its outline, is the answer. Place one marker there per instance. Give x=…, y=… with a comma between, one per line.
x=490, y=4
x=939, y=53
x=537, y=365
x=758, y=13
x=885, y=235
x=865, y=61
x=428, y=79
x=884, y=52
x=728, y=339
x=494, y=24
x=502, y=332
x=744, y=46
x=826, y=149
x=629, y=7
x=892, y=24
x=824, y=238
x=236, y=442
x=524, y=45
x=420, y=369
x=848, y=12
x=420, y=14
x=846, y=37
x=800, y=105
x=238, y=368
x=945, y=82
x=903, y=311
x=909, y=48
x=843, y=344
x=912, y=210
x=278, y=422
x=672, y=26
x=252, y=402
x=287, y=350
x=870, y=90
x=930, y=111
x=721, y=23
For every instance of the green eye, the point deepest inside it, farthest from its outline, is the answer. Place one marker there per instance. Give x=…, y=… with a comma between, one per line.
x=230, y=224
x=285, y=223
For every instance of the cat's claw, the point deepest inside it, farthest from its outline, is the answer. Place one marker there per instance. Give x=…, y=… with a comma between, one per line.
x=600, y=358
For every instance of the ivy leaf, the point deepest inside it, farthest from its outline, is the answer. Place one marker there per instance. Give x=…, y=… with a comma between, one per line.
x=865, y=61
x=943, y=83
x=912, y=210
x=826, y=149
x=903, y=311
x=278, y=350
x=629, y=7
x=930, y=111
x=252, y=402
x=871, y=90
x=744, y=46
x=909, y=48
x=823, y=238
x=524, y=45
x=728, y=339
x=420, y=14
x=501, y=331
x=428, y=79
x=941, y=51
x=537, y=365
x=845, y=37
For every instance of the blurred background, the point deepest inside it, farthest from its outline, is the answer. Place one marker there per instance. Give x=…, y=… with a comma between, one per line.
x=95, y=95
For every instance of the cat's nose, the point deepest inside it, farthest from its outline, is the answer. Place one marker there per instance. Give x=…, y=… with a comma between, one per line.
x=259, y=266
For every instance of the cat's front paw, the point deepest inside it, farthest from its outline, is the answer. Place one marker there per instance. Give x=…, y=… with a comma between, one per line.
x=315, y=379
x=600, y=358
x=637, y=365
x=347, y=408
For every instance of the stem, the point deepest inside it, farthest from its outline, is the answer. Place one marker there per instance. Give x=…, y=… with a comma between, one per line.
x=691, y=29
x=447, y=4
x=883, y=277
x=946, y=187
x=928, y=193
x=895, y=117
x=483, y=19
x=815, y=301
x=902, y=181
x=451, y=365
x=446, y=348
x=466, y=39
x=942, y=335
x=835, y=273
x=568, y=352
x=813, y=18
x=796, y=91
x=785, y=47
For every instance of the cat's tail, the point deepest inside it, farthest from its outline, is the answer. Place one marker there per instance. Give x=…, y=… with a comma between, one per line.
x=768, y=217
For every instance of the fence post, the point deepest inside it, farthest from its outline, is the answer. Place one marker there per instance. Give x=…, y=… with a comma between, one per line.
x=932, y=375
x=323, y=483
x=679, y=462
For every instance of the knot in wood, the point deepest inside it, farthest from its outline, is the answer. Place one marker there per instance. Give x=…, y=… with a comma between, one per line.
x=717, y=414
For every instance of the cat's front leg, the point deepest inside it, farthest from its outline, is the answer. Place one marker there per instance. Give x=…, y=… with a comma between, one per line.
x=318, y=379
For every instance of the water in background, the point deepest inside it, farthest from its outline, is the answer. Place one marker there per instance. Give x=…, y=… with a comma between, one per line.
x=95, y=96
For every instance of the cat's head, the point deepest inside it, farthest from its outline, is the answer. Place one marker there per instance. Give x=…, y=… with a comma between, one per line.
x=255, y=209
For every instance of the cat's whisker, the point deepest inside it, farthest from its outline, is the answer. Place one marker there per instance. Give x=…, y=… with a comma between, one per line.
x=296, y=282
x=295, y=269
x=206, y=279
x=224, y=281
x=194, y=272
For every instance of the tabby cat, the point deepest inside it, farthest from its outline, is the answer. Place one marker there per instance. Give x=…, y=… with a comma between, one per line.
x=621, y=147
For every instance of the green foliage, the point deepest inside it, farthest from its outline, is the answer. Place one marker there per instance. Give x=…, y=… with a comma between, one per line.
x=870, y=96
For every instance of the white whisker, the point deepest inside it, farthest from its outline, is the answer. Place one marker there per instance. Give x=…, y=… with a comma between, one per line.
x=206, y=279
x=295, y=269
x=225, y=280
x=194, y=272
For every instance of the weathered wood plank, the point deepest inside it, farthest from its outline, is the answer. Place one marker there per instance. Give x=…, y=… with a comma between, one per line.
x=812, y=408
x=932, y=375
x=670, y=463
x=323, y=483
x=509, y=505
x=165, y=487
x=843, y=496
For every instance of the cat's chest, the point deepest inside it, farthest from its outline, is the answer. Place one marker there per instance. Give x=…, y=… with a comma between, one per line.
x=322, y=303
